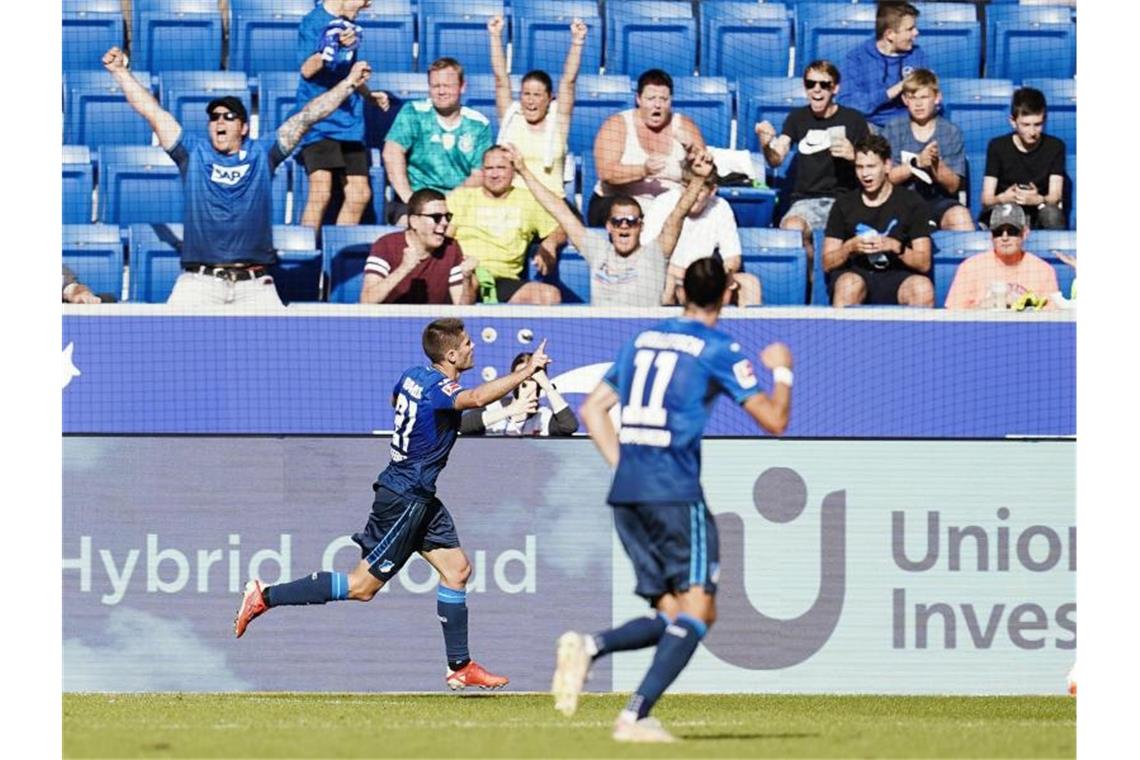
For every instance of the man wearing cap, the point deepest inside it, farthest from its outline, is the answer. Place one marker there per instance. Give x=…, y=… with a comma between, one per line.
x=1007, y=277
x=227, y=246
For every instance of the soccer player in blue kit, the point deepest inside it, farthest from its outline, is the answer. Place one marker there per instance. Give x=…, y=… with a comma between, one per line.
x=664, y=382
x=406, y=515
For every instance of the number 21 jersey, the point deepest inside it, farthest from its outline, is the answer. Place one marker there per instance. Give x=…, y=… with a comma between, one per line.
x=424, y=430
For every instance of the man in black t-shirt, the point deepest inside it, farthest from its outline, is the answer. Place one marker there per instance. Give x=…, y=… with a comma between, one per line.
x=1026, y=167
x=876, y=248
x=823, y=133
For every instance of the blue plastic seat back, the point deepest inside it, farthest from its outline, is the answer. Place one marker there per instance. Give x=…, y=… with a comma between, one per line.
x=598, y=98
x=96, y=112
x=1024, y=42
x=650, y=34
x=94, y=252
x=541, y=35
x=573, y=277
x=459, y=30
x=745, y=39
x=138, y=184
x=752, y=206
x=708, y=102
x=345, y=251
x=778, y=258
x=979, y=107
x=389, y=35
x=1061, y=99
x=263, y=35
x=177, y=35
x=765, y=99
x=277, y=98
x=300, y=263
x=950, y=35
x=831, y=30
x=1046, y=243
x=78, y=182
x=156, y=261
x=90, y=28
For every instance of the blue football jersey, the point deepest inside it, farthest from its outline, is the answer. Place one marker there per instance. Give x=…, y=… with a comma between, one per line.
x=423, y=432
x=667, y=378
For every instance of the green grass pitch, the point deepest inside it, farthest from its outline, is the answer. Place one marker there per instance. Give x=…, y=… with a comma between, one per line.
x=526, y=725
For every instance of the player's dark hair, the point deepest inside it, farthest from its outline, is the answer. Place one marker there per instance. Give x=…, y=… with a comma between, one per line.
x=1027, y=101
x=423, y=197
x=625, y=200
x=705, y=282
x=825, y=66
x=441, y=336
x=876, y=144
x=658, y=77
x=890, y=14
x=540, y=76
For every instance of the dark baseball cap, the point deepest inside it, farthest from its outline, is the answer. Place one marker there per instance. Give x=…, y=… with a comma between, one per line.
x=231, y=103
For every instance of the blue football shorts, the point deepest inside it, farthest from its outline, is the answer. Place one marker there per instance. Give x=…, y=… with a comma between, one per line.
x=401, y=525
x=673, y=547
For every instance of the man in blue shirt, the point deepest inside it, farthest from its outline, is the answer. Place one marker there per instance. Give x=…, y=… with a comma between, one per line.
x=406, y=515
x=664, y=382
x=873, y=72
x=227, y=244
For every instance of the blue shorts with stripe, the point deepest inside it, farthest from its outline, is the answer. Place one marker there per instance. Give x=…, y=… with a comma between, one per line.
x=673, y=547
x=401, y=525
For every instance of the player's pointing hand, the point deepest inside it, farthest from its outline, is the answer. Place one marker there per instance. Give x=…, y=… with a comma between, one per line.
x=538, y=360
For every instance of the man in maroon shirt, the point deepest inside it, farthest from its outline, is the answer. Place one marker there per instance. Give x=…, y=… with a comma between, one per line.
x=420, y=264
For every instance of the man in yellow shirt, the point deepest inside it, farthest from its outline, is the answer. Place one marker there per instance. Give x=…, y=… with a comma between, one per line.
x=495, y=223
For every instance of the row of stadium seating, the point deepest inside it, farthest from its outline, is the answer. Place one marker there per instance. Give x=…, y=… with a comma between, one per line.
x=334, y=271
x=731, y=38
x=95, y=112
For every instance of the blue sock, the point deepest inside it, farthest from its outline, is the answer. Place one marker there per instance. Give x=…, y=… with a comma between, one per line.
x=451, y=606
x=317, y=588
x=638, y=633
x=674, y=650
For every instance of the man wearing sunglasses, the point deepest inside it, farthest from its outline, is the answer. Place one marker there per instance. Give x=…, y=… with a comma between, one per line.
x=1007, y=276
x=422, y=264
x=823, y=132
x=227, y=246
x=876, y=69
x=623, y=271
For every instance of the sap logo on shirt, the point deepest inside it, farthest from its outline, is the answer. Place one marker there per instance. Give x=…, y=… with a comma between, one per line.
x=229, y=175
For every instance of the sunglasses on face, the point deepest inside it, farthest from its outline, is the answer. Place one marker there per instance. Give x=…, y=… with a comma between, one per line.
x=1005, y=229
x=227, y=115
x=625, y=221
x=811, y=84
x=437, y=218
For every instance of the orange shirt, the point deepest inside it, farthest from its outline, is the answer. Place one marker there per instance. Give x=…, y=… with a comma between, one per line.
x=976, y=275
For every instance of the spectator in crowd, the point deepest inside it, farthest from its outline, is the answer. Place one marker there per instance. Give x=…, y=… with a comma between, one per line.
x=624, y=272
x=708, y=229
x=75, y=291
x=421, y=264
x=522, y=415
x=928, y=153
x=1027, y=166
x=436, y=142
x=228, y=243
x=534, y=123
x=877, y=244
x=1007, y=276
x=494, y=224
x=334, y=148
x=824, y=133
x=875, y=70
x=638, y=152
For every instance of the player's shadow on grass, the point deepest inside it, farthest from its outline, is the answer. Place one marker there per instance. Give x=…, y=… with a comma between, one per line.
x=744, y=737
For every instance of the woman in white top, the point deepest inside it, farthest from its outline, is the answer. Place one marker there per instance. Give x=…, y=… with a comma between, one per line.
x=639, y=152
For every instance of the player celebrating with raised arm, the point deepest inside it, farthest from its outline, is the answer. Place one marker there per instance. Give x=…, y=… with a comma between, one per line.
x=664, y=382
x=406, y=514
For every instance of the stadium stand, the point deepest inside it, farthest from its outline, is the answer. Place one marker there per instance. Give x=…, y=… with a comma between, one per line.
x=138, y=184
x=540, y=35
x=458, y=30
x=156, y=261
x=78, y=182
x=708, y=102
x=276, y=98
x=765, y=99
x=177, y=35
x=263, y=34
x=650, y=34
x=375, y=210
x=345, y=251
x=778, y=258
x=96, y=111
x=1061, y=97
x=1017, y=37
x=744, y=39
x=951, y=36
x=752, y=206
x=830, y=30
x=980, y=108
x=89, y=28
x=185, y=94
x=95, y=253
x=300, y=263
x=598, y=98
x=389, y=35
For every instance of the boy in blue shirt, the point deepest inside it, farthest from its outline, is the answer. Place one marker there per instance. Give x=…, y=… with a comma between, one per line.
x=664, y=382
x=874, y=71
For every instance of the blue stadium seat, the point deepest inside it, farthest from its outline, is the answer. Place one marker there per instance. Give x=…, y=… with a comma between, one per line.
x=1061, y=97
x=980, y=108
x=90, y=27
x=744, y=39
x=778, y=258
x=403, y=85
x=389, y=33
x=263, y=34
x=950, y=250
x=752, y=206
x=480, y=95
x=648, y=34
x=708, y=102
x=185, y=94
x=299, y=263
x=1071, y=191
x=542, y=35
x=95, y=111
x=276, y=97
x=765, y=98
x=458, y=30
x=1046, y=243
x=951, y=37
x=819, y=279
x=975, y=172
x=177, y=35
x=156, y=261
x=345, y=251
x=374, y=214
x=1023, y=42
x=279, y=188
x=830, y=30
x=138, y=184
x=573, y=276
x=78, y=182
x=598, y=98
x=95, y=253
x=589, y=180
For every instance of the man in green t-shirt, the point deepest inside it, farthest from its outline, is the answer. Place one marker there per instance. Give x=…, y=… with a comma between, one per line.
x=436, y=142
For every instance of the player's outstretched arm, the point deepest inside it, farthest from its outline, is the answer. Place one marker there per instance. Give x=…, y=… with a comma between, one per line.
x=771, y=412
x=165, y=126
x=595, y=412
x=290, y=133
x=501, y=386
